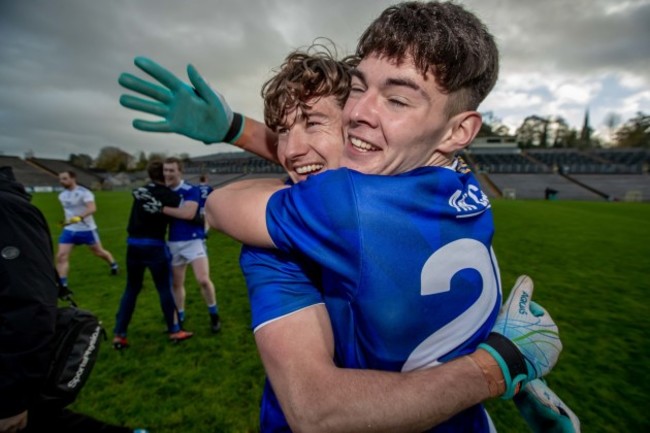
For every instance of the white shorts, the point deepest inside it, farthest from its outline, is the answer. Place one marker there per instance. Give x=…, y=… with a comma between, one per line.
x=184, y=252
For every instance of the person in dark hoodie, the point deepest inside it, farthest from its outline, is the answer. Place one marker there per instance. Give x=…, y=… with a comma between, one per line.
x=28, y=306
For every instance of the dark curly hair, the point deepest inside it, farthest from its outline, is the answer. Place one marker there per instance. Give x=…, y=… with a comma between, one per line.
x=442, y=37
x=304, y=77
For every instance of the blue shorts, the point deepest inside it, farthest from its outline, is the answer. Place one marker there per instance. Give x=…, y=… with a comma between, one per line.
x=85, y=237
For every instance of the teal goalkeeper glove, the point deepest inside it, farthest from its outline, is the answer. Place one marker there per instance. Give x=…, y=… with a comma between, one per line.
x=544, y=411
x=524, y=340
x=197, y=112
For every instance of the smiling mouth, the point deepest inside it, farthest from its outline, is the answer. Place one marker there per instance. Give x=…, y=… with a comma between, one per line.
x=362, y=146
x=309, y=169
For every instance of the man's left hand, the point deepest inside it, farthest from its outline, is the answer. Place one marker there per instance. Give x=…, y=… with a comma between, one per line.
x=197, y=112
x=544, y=411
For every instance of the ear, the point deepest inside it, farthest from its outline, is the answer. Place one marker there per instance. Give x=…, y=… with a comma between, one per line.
x=463, y=127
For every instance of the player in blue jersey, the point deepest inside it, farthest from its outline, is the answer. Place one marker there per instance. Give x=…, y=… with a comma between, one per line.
x=78, y=204
x=266, y=311
x=186, y=242
x=147, y=249
x=205, y=188
x=455, y=296
x=408, y=273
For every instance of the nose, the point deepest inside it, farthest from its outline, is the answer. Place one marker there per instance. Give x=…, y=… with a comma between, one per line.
x=296, y=144
x=361, y=109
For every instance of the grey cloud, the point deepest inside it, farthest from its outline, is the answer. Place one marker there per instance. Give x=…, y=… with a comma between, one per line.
x=60, y=60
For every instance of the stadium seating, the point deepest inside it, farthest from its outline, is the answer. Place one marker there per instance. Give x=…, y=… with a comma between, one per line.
x=30, y=175
x=596, y=174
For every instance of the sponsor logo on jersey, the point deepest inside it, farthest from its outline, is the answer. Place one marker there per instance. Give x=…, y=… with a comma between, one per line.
x=470, y=202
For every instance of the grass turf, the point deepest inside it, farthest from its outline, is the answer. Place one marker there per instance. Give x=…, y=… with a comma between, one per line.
x=589, y=261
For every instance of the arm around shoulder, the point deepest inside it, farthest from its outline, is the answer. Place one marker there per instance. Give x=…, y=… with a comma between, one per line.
x=316, y=395
x=239, y=210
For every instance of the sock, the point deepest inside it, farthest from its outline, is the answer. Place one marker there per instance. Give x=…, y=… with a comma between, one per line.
x=175, y=328
x=181, y=315
x=114, y=265
x=212, y=309
x=64, y=281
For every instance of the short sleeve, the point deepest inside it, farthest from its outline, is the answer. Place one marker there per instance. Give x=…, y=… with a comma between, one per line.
x=277, y=285
x=317, y=218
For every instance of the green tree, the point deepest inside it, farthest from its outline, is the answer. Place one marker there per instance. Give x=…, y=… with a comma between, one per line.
x=635, y=132
x=81, y=160
x=113, y=159
x=142, y=162
x=561, y=132
x=492, y=125
x=160, y=156
x=532, y=132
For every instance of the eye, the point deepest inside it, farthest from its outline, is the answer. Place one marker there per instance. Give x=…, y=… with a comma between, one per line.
x=282, y=130
x=397, y=102
x=356, y=86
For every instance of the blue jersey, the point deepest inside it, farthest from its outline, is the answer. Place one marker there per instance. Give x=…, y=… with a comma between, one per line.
x=409, y=276
x=204, y=192
x=278, y=284
x=184, y=230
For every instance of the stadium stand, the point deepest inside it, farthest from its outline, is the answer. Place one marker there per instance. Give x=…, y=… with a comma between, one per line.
x=502, y=169
x=624, y=187
x=84, y=177
x=596, y=174
x=533, y=186
x=32, y=176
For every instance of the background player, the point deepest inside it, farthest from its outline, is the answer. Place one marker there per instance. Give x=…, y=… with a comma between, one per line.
x=147, y=249
x=186, y=242
x=205, y=189
x=79, y=227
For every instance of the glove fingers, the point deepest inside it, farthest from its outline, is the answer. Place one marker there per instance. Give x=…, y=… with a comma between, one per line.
x=146, y=88
x=520, y=295
x=202, y=88
x=544, y=411
x=143, y=105
x=144, y=125
x=161, y=74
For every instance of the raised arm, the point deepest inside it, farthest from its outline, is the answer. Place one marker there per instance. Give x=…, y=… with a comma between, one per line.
x=195, y=111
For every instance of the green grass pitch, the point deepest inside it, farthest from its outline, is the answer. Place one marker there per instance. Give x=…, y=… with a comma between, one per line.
x=590, y=263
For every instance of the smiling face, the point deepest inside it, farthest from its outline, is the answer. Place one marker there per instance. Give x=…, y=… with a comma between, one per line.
x=172, y=174
x=394, y=119
x=313, y=141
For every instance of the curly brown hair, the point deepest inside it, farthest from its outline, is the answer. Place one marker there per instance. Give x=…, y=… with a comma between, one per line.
x=304, y=77
x=442, y=37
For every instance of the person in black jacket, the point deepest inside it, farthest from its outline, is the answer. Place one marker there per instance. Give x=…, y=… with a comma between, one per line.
x=146, y=248
x=28, y=307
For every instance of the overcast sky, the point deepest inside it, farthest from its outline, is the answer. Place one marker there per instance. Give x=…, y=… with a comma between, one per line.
x=60, y=60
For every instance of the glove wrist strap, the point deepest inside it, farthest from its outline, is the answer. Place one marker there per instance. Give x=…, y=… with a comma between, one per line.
x=235, y=130
x=510, y=359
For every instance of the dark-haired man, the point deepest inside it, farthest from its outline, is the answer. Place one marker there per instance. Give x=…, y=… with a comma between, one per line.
x=147, y=249
x=403, y=123
x=79, y=226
